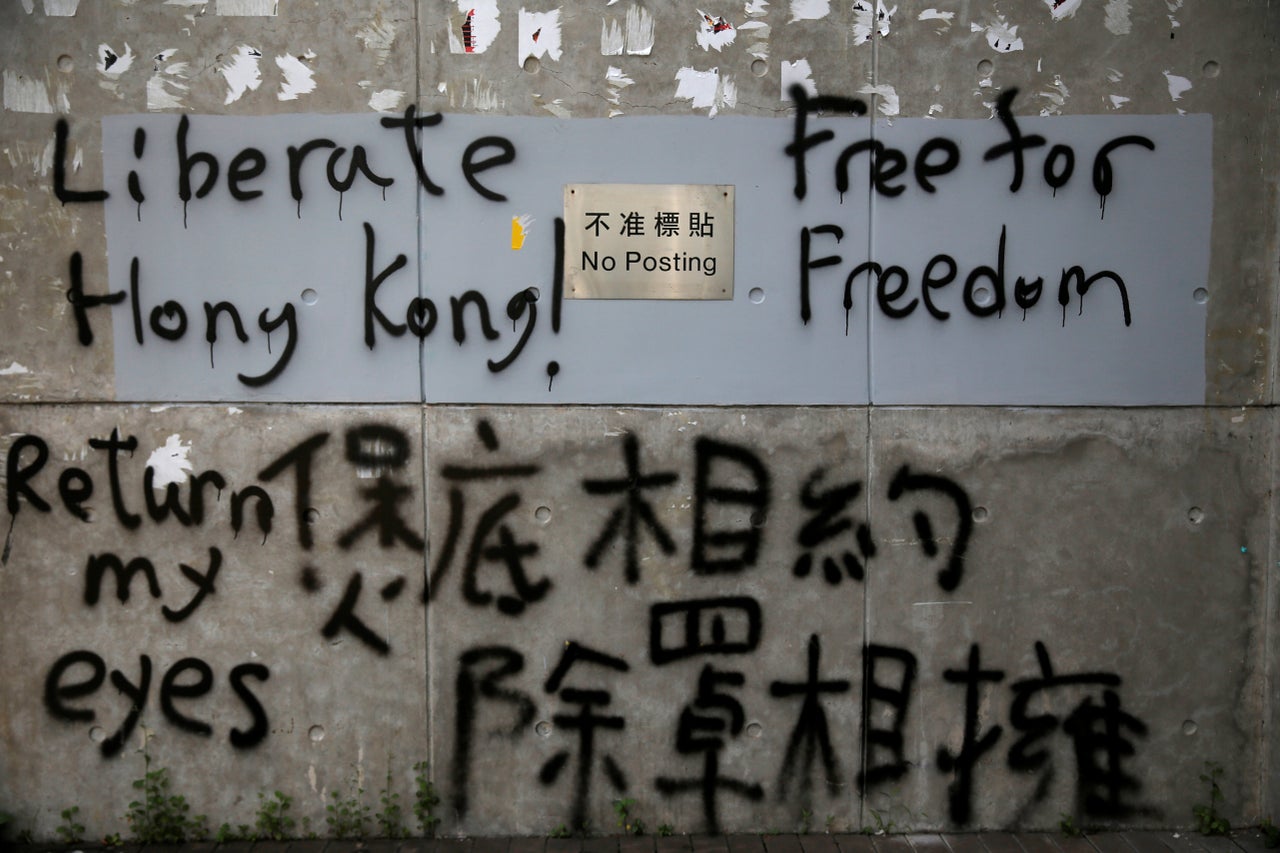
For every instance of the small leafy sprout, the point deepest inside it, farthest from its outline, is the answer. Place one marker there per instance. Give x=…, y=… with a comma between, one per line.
x=629, y=824
x=560, y=831
x=347, y=817
x=666, y=830
x=390, y=816
x=1068, y=826
x=1270, y=834
x=160, y=817
x=1208, y=820
x=274, y=823
x=425, y=800
x=71, y=831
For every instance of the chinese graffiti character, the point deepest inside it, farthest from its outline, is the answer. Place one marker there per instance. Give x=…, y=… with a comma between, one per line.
x=904, y=481
x=704, y=626
x=631, y=513
x=378, y=448
x=827, y=522
x=703, y=724
x=719, y=548
x=492, y=540
x=1094, y=729
x=481, y=673
x=586, y=721
x=897, y=699
x=811, y=737
x=960, y=791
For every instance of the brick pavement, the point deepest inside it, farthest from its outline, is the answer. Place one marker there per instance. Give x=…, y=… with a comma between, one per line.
x=1244, y=841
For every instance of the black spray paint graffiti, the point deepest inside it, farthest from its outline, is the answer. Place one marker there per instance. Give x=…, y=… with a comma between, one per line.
x=492, y=540
x=711, y=640
x=311, y=170
x=585, y=722
x=986, y=288
x=488, y=700
x=59, y=693
x=374, y=451
x=198, y=174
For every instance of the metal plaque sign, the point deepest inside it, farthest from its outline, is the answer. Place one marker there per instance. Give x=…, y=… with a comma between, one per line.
x=648, y=241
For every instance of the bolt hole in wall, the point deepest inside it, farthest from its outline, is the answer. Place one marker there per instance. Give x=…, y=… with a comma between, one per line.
x=65, y=63
x=542, y=514
x=980, y=514
x=312, y=515
x=759, y=68
x=531, y=65
x=309, y=296
x=543, y=728
x=316, y=733
x=1200, y=295
x=1211, y=69
x=985, y=67
x=1195, y=515
x=756, y=295
x=1189, y=727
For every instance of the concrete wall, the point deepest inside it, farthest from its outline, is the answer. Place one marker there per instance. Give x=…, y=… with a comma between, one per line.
x=852, y=616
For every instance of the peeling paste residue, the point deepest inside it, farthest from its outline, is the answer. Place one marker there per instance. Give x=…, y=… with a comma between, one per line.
x=1056, y=96
x=640, y=29
x=714, y=31
x=755, y=29
x=810, y=10
x=170, y=462
x=387, y=100
x=1000, y=35
x=1177, y=85
x=1173, y=6
x=887, y=98
x=247, y=8
x=706, y=89
x=1117, y=101
x=23, y=94
x=616, y=81
x=611, y=38
x=538, y=35
x=13, y=369
x=60, y=8
x=378, y=36
x=867, y=19
x=934, y=109
x=519, y=230
x=112, y=64
x=943, y=19
x=474, y=26
x=165, y=89
x=798, y=72
x=556, y=107
x=233, y=410
x=298, y=77
x=29, y=6
x=1117, y=21
x=1063, y=8
x=479, y=95
x=242, y=72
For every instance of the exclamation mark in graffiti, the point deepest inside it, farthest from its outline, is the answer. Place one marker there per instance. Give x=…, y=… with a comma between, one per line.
x=468, y=39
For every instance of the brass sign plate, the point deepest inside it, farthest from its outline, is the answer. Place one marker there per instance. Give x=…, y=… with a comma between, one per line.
x=648, y=241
